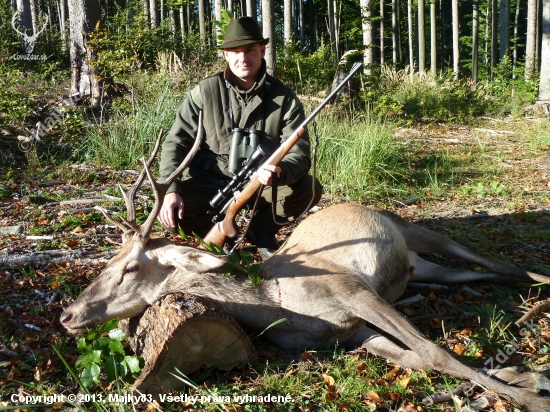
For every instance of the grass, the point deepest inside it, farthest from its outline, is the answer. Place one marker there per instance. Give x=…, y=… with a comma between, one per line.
x=360, y=158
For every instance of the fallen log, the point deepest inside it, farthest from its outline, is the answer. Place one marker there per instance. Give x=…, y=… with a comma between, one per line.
x=54, y=257
x=184, y=332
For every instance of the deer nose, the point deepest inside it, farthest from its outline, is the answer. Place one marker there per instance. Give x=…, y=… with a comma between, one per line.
x=66, y=319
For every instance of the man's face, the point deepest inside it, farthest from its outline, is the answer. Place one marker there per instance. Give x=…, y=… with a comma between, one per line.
x=245, y=61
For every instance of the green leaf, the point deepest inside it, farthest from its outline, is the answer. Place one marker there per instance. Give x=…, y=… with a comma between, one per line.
x=106, y=327
x=227, y=269
x=91, y=334
x=110, y=367
x=90, y=375
x=102, y=343
x=82, y=346
x=94, y=356
x=116, y=348
x=82, y=362
x=133, y=363
x=182, y=233
x=117, y=334
x=122, y=368
x=86, y=377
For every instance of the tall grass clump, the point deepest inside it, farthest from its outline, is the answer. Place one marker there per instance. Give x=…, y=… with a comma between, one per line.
x=424, y=96
x=132, y=130
x=359, y=158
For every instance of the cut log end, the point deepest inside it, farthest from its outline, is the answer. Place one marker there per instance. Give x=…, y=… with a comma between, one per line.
x=183, y=332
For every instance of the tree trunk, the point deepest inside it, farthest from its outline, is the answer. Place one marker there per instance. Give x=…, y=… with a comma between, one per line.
x=145, y=11
x=184, y=332
x=337, y=29
x=411, y=48
x=154, y=19
x=515, y=53
x=504, y=28
x=172, y=17
x=287, y=22
x=475, y=37
x=433, y=38
x=84, y=15
x=396, y=48
x=332, y=30
x=530, y=41
x=218, y=6
x=368, y=56
x=251, y=9
x=421, y=36
x=62, y=5
x=494, y=35
x=487, y=15
x=182, y=24
x=301, y=23
x=544, y=85
x=202, y=22
x=382, y=33
x=34, y=16
x=456, y=40
x=268, y=28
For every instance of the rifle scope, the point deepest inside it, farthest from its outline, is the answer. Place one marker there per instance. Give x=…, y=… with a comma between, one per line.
x=254, y=160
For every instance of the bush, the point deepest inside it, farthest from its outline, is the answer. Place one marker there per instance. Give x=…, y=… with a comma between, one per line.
x=423, y=96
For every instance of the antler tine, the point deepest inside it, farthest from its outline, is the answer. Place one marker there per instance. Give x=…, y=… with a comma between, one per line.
x=130, y=194
x=113, y=221
x=160, y=189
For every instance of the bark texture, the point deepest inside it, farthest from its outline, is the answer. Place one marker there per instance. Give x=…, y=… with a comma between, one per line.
x=184, y=332
x=84, y=15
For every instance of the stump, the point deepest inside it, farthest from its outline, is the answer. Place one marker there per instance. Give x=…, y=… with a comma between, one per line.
x=184, y=332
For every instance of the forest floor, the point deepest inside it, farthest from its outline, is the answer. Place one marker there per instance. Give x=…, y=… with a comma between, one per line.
x=62, y=245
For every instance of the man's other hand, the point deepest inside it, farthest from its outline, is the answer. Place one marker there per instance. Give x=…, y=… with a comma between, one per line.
x=173, y=203
x=264, y=174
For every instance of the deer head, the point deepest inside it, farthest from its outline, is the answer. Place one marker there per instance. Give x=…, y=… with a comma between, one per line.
x=27, y=40
x=134, y=278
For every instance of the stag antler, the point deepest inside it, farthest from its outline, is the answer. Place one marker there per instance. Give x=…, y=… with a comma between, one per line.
x=159, y=189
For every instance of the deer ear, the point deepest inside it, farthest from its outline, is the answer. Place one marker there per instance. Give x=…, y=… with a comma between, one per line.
x=200, y=262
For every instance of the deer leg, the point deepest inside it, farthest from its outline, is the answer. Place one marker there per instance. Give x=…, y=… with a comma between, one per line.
x=425, y=271
x=380, y=345
x=384, y=317
x=420, y=240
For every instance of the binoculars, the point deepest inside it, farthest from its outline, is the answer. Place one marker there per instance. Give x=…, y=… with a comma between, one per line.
x=243, y=144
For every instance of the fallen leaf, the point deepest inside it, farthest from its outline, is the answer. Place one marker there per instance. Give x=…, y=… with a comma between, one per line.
x=403, y=381
x=374, y=396
x=330, y=396
x=460, y=348
x=328, y=379
x=392, y=373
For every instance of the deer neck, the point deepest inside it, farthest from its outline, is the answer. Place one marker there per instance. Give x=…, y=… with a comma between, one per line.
x=234, y=294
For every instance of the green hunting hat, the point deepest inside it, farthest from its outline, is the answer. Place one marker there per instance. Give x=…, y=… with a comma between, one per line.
x=242, y=31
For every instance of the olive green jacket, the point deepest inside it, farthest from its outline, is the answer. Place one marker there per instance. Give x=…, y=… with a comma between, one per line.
x=269, y=106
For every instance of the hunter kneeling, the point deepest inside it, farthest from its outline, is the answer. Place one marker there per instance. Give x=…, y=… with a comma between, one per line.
x=243, y=107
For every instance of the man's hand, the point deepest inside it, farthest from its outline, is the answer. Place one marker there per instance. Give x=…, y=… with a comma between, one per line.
x=172, y=203
x=264, y=174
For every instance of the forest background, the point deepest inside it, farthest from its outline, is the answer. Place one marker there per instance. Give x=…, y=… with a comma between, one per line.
x=451, y=116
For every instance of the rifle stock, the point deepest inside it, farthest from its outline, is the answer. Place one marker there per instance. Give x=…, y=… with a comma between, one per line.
x=227, y=227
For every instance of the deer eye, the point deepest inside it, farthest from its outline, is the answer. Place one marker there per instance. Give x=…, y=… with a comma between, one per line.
x=131, y=269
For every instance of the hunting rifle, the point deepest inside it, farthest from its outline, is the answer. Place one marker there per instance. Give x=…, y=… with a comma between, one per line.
x=227, y=227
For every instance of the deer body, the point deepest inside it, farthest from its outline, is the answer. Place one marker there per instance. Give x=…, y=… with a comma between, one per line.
x=331, y=281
